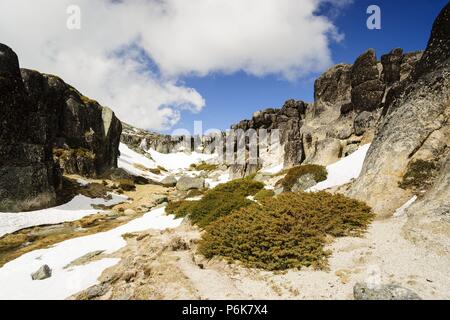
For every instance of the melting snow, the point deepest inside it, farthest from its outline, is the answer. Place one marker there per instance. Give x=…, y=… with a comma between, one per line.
x=15, y=276
x=179, y=160
x=400, y=211
x=173, y=162
x=273, y=170
x=77, y=208
x=343, y=171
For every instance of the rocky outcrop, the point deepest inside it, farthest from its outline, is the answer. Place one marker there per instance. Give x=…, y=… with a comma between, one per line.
x=84, y=134
x=348, y=102
x=47, y=128
x=142, y=140
x=414, y=128
x=28, y=176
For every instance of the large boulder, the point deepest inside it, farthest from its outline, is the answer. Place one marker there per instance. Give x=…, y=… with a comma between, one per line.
x=186, y=183
x=28, y=175
x=169, y=181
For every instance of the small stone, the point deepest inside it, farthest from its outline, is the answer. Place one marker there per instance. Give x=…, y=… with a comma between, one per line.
x=44, y=272
x=129, y=212
x=159, y=198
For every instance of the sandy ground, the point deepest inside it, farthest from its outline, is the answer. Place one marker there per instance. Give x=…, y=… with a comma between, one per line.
x=164, y=266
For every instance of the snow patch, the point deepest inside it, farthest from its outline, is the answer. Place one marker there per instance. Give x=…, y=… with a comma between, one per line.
x=344, y=170
x=401, y=211
x=273, y=170
x=15, y=276
x=179, y=160
x=79, y=207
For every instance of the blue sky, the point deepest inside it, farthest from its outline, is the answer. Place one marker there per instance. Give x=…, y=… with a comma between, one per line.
x=230, y=98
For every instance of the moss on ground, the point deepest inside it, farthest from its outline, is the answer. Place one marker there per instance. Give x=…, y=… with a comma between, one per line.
x=292, y=175
x=217, y=202
x=287, y=231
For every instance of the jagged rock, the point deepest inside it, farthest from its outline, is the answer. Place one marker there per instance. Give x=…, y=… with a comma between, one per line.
x=332, y=88
x=42, y=273
x=361, y=291
x=365, y=68
x=415, y=111
x=368, y=95
x=169, y=181
x=392, y=63
x=186, y=183
x=28, y=175
x=363, y=122
x=409, y=61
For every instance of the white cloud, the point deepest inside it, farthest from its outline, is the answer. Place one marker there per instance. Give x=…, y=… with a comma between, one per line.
x=106, y=58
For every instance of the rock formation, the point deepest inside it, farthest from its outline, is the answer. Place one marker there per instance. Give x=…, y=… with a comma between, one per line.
x=84, y=134
x=414, y=130
x=47, y=124
x=348, y=102
x=28, y=176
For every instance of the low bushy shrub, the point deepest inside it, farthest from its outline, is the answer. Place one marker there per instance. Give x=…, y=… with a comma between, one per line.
x=284, y=232
x=203, y=166
x=292, y=175
x=217, y=202
x=263, y=194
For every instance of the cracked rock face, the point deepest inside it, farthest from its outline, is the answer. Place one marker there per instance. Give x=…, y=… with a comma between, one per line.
x=88, y=132
x=28, y=176
x=39, y=114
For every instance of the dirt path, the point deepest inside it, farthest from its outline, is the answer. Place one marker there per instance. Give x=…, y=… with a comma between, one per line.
x=165, y=266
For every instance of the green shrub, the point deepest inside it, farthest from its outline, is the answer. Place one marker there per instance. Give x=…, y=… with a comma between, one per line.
x=287, y=231
x=419, y=176
x=292, y=175
x=263, y=194
x=217, y=202
x=203, y=166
